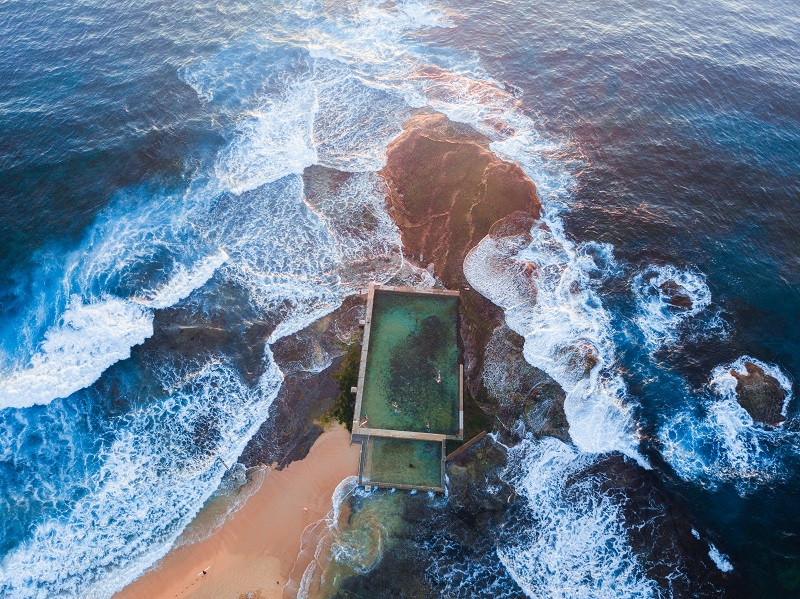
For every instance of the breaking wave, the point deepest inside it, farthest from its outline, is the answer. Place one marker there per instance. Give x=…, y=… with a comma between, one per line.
x=722, y=443
x=666, y=299
x=150, y=481
x=577, y=546
x=74, y=353
x=567, y=331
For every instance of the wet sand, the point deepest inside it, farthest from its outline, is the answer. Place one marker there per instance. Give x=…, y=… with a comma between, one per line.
x=255, y=549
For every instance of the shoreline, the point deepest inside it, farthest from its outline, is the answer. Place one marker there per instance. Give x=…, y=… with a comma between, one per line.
x=256, y=548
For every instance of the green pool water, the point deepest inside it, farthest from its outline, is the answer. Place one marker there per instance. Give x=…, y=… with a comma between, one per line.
x=411, y=380
x=403, y=462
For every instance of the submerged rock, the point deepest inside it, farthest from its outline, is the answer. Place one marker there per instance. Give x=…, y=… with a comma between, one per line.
x=661, y=533
x=760, y=394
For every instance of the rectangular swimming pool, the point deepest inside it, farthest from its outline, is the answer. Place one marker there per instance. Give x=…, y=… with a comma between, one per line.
x=412, y=378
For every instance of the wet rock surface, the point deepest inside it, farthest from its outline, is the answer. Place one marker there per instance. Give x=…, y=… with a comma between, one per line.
x=446, y=190
x=522, y=394
x=676, y=297
x=308, y=359
x=760, y=394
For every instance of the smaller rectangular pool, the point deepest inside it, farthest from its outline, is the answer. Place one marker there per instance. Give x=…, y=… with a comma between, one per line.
x=403, y=463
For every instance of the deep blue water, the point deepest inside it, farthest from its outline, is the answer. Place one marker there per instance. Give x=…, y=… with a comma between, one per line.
x=150, y=162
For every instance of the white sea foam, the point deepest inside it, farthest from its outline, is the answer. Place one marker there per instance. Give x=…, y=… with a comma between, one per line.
x=154, y=477
x=354, y=122
x=578, y=545
x=184, y=281
x=567, y=331
x=366, y=239
x=719, y=559
x=659, y=320
x=725, y=444
x=271, y=142
x=91, y=336
x=88, y=338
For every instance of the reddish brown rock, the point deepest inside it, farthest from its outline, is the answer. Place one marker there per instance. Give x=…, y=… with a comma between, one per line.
x=676, y=296
x=760, y=394
x=447, y=190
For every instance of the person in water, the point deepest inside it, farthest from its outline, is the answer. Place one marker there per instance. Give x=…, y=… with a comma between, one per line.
x=439, y=377
x=427, y=427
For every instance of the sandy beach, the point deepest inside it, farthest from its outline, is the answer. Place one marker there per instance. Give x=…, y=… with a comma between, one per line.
x=255, y=549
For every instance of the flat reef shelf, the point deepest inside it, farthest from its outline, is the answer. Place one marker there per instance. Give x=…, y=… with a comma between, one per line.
x=409, y=397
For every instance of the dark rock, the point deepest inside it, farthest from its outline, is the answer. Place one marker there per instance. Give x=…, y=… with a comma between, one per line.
x=478, y=317
x=309, y=360
x=676, y=296
x=760, y=394
x=520, y=392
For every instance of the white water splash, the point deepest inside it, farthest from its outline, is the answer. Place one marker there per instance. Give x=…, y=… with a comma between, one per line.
x=719, y=559
x=89, y=338
x=657, y=317
x=271, y=142
x=578, y=545
x=184, y=281
x=725, y=444
x=567, y=330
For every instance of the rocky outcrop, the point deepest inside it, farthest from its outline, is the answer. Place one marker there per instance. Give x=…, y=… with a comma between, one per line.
x=446, y=192
x=676, y=297
x=760, y=394
x=522, y=393
x=447, y=189
x=308, y=359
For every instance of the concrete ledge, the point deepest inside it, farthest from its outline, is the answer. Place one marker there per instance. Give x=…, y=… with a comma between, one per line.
x=465, y=447
x=391, y=434
x=370, y=484
x=447, y=292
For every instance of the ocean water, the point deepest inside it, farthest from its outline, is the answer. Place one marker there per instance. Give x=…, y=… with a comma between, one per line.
x=158, y=236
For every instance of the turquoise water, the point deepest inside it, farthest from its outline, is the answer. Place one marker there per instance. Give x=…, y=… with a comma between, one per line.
x=412, y=373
